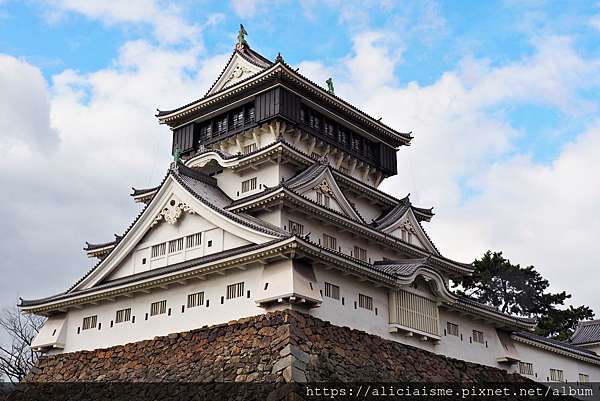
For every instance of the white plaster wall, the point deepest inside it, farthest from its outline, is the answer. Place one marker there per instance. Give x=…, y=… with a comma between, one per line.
x=230, y=182
x=260, y=136
x=366, y=209
x=544, y=360
x=463, y=347
x=176, y=296
x=346, y=314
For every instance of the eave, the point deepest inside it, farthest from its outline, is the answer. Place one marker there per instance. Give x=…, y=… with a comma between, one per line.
x=477, y=311
x=593, y=359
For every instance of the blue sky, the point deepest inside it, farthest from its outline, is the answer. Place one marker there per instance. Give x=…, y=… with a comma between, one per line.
x=502, y=97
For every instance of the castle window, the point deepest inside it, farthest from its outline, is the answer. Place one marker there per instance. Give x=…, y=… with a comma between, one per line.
x=296, y=228
x=249, y=185
x=159, y=250
x=206, y=131
x=248, y=148
x=343, y=137
x=123, y=315
x=222, y=125
x=89, y=322
x=360, y=253
x=357, y=144
x=556, y=375
x=176, y=245
x=526, y=368
x=329, y=128
x=583, y=378
x=332, y=291
x=195, y=299
x=250, y=114
x=323, y=199
x=237, y=118
x=365, y=302
x=194, y=240
x=329, y=242
x=452, y=329
x=235, y=290
x=158, y=308
x=478, y=337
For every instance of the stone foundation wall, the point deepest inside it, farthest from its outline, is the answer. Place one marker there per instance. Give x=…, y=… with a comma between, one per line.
x=276, y=347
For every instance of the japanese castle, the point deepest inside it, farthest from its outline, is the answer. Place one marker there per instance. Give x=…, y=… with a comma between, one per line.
x=272, y=203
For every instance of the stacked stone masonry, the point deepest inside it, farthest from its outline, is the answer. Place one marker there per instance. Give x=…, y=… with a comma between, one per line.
x=285, y=346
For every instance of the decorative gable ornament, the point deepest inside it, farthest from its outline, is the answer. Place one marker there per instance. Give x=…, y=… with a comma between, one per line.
x=407, y=225
x=172, y=212
x=325, y=188
x=236, y=74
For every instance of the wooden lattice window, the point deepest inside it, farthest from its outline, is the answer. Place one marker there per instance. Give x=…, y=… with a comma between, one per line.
x=329, y=242
x=123, y=315
x=195, y=299
x=249, y=185
x=413, y=311
x=158, y=308
x=526, y=368
x=193, y=240
x=478, y=337
x=332, y=291
x=159, y=250
x=360, y=253
x=235, y=290
x=556, y=375
x=89, y=322
x=365, y=301
x=452, y=329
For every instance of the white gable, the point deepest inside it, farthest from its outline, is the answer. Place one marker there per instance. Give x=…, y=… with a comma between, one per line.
x=408, y=229
x=192, y=236
x=325, y=191
x=236, y=70
x=172, y=215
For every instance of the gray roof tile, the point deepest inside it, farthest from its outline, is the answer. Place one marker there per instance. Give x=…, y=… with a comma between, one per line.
x=587, y=332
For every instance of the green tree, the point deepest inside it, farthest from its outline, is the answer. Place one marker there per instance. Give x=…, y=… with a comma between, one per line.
x=521, y=291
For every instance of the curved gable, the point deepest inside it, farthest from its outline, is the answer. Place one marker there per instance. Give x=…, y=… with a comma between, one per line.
x=318, y=181
x=408, y=228
x=242, y=64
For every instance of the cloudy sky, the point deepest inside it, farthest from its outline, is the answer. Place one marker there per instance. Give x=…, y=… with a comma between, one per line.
x=503, y=100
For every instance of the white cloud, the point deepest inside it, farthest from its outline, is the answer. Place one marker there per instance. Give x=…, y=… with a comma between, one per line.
x=166, y=19
x=24, y=107
x=106, y=139
x=249, y=8
x=594, y=22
